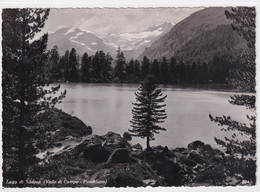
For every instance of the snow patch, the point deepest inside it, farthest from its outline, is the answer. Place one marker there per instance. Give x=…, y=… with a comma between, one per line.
x=71, y=30
x=145, y=41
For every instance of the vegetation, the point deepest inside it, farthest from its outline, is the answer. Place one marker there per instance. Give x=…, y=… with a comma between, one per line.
x=24, y=97
x=241, y=148
x=99, y=68
x=148, y=111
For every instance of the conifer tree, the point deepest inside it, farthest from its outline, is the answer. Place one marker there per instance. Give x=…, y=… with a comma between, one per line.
x=120, y=65
x=242, y=150
x=73, y=63
x=145, y=67
x=54, y=63
x=85, y=68
x=155, y=69
x=148, y=111
x=164, y=70
x=23, y=80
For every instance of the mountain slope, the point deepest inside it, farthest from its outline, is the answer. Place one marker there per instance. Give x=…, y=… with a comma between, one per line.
x=198, y=37
x=133, y=43
x=82, y=41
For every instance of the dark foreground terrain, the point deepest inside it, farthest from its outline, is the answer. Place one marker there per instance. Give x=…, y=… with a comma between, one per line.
x=85, y=160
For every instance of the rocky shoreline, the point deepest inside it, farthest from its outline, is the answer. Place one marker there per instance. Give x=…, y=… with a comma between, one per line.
x=111, y=161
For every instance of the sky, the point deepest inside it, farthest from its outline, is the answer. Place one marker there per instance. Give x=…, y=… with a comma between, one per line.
x=114, y=20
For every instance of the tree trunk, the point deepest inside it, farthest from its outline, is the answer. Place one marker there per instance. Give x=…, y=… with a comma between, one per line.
x=21, y=155
x=147, y=143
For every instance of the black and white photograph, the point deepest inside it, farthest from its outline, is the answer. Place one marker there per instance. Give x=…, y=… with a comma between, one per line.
x=129, y=97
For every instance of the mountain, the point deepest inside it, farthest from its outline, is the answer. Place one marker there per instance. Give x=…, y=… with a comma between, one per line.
x=131, y=43
x=200, y=36
x=83, y=41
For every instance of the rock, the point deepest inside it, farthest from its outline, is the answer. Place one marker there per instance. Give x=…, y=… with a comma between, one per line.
x=207, y=148
x=95, y=140
x=165, y=165
x=137, y=146
x=170, y=171
x=96, y=153
x=195, y=144
x=120, y=155
x=217, y=159
x=150, y=182
x=114, y=141
x=188, y=162
x=194, y=155
x=73, y=125
x=124, y=180
x=180, y=149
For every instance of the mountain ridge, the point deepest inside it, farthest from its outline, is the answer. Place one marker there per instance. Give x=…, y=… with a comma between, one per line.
x=194, y=38
x=131, y=43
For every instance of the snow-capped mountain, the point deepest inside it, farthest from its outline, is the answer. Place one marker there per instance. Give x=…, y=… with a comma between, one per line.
x=132, y=43
x=138, y=40
x=83, y=41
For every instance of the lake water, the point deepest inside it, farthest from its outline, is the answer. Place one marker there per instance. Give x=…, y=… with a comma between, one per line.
x=107, y=107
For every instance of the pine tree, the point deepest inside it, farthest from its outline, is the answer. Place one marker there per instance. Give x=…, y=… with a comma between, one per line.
x=106, y=69
x=23, y=84
x=137, y=70
x=73, y=63
x=120, y=65
x=164, y=70
x=86, y=68
x=148, y=111
x=65, y=64
x=172, y=70
x=145, y=68
x=242, y=150
x=155, y=68
x=54, y=64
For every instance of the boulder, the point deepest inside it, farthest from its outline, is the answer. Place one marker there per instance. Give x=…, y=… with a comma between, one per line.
x=90, y=140
x=195, y=144
x=194, y=155
x=207, y=148
x=170, y=171
x=114, y=141
x=96, y=153
x=120, y=155
x=73, y=125
x=188, y=162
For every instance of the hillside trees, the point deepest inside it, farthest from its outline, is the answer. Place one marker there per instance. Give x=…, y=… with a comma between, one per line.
x=85, y=68
x=242, y=146
x=23, y=83
x=148, y=111
x=72, y=66
x=101, y=67
x=119, y=70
